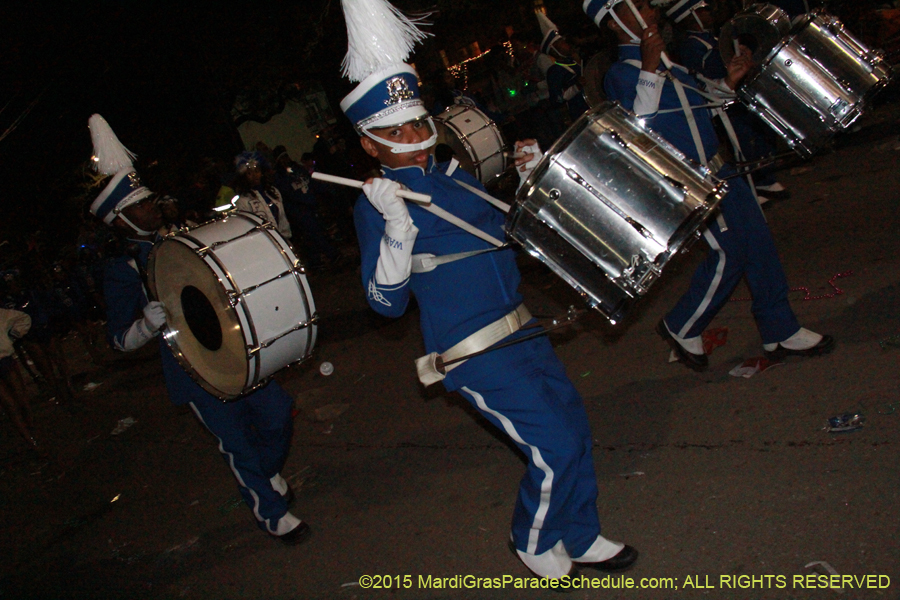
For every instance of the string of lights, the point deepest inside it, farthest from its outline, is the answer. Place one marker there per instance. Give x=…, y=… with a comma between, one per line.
x=461, y=69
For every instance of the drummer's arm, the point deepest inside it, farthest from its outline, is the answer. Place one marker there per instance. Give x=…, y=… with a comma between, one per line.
x=738, y=67
x=388, y=296
x=125, y=298
x=637, y=91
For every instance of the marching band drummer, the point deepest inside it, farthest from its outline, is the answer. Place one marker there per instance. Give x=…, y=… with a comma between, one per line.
x=698, y=50
x=740, y=241
x=253, y=432
x=565, y=79
x=471, y=302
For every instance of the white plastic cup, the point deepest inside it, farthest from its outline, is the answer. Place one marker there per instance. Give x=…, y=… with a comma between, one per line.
x=326, y=368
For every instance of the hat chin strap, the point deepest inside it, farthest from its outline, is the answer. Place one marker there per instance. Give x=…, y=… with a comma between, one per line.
x=699, y=22
x=616, y=18
x=136, y=229
x=401, y=148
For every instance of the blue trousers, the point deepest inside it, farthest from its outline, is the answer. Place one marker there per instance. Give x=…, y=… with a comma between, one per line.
x=254, y=434
x=745, y=249
x=524, y=391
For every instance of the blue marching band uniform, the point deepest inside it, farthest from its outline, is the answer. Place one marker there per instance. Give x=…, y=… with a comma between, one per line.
x=740, y=242
x=522, y=389
x=253, y=432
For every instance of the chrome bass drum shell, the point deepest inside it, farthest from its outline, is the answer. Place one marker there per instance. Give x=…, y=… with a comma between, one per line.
x=815, y=83
x=475, y=139
x=608, y=206
x=239, y=306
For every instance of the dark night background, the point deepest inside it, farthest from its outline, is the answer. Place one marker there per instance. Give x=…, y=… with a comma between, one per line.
x=166, y=77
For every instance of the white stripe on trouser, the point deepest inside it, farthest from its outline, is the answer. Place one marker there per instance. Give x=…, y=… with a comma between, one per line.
x=713, y=286
x=234, y=470
x=546, y=485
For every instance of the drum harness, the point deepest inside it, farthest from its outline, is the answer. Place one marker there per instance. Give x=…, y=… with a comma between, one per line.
x=717, y=104
x=433, y=367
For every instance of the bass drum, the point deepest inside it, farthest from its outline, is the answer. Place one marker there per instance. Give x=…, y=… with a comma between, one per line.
x=609, y=205
x=238, y=303
x=815, y=83
x=475, y=139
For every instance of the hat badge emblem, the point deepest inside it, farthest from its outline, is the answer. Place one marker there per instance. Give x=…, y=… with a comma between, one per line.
x=398, y=90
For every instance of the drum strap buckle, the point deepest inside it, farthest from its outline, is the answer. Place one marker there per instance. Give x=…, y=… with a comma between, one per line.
x=433, y=367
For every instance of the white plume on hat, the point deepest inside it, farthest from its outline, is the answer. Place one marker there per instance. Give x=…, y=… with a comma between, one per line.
x=546, y=24
x=110, y=156
x=378, y=35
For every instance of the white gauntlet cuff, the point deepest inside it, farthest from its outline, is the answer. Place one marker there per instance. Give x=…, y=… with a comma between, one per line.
x=137, y=335
x=649, y=90
x=395, y=259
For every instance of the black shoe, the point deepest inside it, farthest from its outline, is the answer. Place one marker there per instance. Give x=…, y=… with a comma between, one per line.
x=825, y=345
x=697, y=362
x=621, y=561
x=295, y=536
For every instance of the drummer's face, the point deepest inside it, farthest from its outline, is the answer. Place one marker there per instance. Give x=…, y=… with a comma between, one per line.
x=649, y=13
x=144, y=214
x=408, y=133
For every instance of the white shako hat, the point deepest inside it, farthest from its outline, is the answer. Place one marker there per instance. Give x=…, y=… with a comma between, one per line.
x=549, y=32
x=380, y=38
x=112, y=158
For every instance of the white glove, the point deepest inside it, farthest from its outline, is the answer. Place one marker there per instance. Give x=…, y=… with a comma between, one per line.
x=382, y=193
x=525, y=170
x=145, y=329
x=155, y=315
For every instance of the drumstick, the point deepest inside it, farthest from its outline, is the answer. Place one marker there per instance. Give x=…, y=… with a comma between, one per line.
x=416, y=197
x=737, y=47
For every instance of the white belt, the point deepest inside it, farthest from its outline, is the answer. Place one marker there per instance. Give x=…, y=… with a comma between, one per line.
x=482, y=339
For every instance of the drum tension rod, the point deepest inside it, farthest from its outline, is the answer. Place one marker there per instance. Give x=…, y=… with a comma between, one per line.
x=314, y=320
x=569, y=317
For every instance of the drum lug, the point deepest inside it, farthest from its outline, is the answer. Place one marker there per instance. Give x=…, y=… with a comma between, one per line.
x=234, y=298
x=641, y=274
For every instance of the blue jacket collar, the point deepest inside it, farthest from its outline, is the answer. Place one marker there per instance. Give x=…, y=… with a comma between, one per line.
x=410, y=173
x=629, y=52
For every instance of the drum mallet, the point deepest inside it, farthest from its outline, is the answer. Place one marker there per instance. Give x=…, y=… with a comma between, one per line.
x=423, y=199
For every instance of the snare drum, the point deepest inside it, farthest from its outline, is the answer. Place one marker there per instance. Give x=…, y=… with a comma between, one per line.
x=815, y=83
x=239, y=306
x=760, y=28
x=475, y=139
x=609, y=205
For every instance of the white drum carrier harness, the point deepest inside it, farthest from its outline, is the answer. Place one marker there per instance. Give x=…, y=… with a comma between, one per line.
x=431, y=367
x=716, y=105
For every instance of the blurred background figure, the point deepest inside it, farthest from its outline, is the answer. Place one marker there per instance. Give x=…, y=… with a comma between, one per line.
x=14, y=325
x=300, y=204
x=256, y=194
